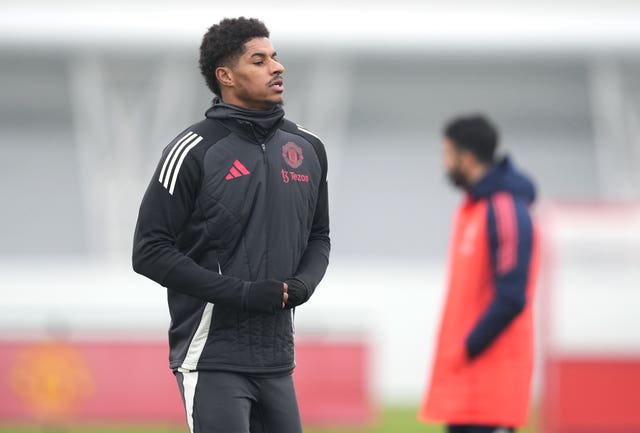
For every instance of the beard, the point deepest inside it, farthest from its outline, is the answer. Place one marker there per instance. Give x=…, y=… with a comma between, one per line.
x=457, y=178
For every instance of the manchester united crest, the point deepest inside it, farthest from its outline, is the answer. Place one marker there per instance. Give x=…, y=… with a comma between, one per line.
x=292, y=154
x=52, y=379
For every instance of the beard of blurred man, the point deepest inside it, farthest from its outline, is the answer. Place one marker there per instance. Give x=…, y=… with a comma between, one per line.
x=454, y=161
x=462, y=167
x=457, y=178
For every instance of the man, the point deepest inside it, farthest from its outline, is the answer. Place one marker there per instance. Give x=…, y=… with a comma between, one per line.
x=235, y=225
x=481, y=377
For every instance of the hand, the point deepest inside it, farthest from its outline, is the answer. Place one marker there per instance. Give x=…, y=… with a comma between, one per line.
x=296, y=293
x=267, y=296
x=285, y=295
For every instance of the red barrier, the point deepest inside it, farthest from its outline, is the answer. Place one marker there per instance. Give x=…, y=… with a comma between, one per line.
x=130, y=382
x=87, y=381
x=585, y=395
x=332, y=382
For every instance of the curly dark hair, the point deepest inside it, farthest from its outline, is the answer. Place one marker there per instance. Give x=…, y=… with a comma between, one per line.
x=224, y=43
x=474, y=133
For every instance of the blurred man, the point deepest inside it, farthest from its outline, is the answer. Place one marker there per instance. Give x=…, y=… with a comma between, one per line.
x=235, y=225
x=482, y=370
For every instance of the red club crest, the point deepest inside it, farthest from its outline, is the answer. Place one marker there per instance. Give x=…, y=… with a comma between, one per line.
x=292, y=154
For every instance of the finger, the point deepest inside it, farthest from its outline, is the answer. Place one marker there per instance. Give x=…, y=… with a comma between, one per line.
x=285, y=297
x=286, y=287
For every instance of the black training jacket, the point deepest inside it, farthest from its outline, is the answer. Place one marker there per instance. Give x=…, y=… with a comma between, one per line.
x=236, y=198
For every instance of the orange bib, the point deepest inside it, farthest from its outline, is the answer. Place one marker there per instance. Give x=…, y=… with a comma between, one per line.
x=494, y=388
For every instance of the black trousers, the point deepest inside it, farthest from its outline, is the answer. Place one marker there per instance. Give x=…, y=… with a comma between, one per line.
x=456, y=428
x=225, y=402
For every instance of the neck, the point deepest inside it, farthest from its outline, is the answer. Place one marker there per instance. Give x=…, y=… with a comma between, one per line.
x=233, y=100
x=477, y=172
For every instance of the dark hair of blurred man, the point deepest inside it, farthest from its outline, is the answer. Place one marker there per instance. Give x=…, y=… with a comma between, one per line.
x=235, y=224
x=481, y=375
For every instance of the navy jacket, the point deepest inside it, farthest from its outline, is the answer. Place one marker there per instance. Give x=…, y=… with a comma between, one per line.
x=510, y=284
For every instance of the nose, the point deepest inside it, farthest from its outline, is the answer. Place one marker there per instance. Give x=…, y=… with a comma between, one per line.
x=277, y=68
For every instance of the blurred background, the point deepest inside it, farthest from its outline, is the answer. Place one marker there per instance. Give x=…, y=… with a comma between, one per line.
x=91, y=92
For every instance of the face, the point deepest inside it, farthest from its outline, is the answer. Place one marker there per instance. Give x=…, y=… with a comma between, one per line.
x=453, y=161
x=255, y=81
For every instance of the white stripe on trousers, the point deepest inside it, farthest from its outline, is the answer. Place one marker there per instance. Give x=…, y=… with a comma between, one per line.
x=190, y=378
x=189, y=382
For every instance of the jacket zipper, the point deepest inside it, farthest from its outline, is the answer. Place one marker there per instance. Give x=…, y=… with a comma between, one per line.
x=263, y=146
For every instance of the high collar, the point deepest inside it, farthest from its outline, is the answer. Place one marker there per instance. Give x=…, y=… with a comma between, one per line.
x=503, y=176
x=256, y=124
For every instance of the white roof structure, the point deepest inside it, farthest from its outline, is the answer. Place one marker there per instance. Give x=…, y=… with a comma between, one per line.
x=428, y=25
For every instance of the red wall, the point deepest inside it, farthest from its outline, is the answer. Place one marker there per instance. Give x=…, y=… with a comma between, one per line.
x=592, y=395
x=119, y=381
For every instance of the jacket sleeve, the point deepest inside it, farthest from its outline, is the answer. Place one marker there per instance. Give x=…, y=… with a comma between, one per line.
x=510, y=238
x=315, y=259
x=166, y=206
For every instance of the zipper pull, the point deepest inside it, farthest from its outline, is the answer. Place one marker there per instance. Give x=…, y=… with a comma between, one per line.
x=264, y=148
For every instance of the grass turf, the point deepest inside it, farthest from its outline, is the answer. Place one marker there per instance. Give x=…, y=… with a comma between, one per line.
x=392, y=420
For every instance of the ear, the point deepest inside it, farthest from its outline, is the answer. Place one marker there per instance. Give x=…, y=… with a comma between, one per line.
x=224, y=75
x=467, y=159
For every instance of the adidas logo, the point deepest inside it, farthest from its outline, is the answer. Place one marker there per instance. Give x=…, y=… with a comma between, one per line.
x=237, y=170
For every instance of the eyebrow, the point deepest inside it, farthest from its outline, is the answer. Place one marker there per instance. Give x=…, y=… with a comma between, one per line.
x=264, y=54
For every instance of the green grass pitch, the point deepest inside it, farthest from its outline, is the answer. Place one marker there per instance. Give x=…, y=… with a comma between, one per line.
x=391, y=420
